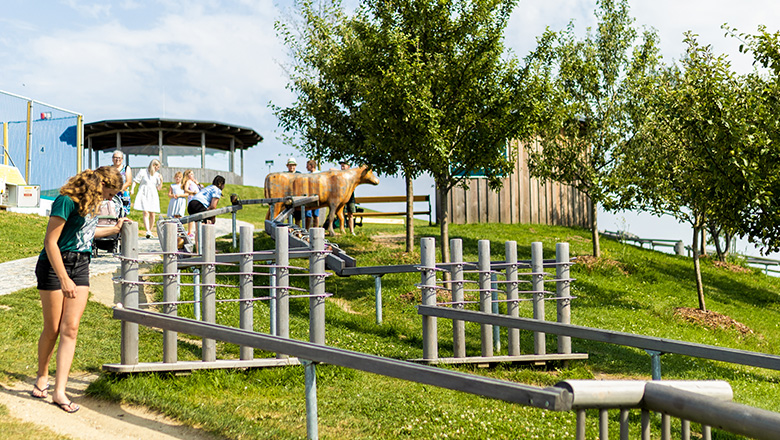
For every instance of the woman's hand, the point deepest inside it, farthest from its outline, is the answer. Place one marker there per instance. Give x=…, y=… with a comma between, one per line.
x=68, y=287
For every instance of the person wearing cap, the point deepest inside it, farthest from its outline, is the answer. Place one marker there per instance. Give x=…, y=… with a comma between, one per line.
x=349, y=208
x=291, y=164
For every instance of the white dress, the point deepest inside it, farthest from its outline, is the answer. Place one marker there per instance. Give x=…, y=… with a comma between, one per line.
x=177, y=205
x=147, y=198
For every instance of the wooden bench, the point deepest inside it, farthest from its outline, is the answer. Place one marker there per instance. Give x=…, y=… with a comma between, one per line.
x=392, y=199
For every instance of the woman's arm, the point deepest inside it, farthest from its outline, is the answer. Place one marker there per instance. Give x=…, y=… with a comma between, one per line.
x=128, y=179
x=108, y=231
x=53, y=232
x=214, y=202
x=171, y=195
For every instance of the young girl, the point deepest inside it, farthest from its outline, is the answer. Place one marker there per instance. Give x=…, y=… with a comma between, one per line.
x=63, y=272
x=190, y=187
x=178, y=203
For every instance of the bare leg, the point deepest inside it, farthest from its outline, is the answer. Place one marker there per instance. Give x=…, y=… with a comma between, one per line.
x=152, y=222
x=51, y=302
x=146, y=221
x=66, y=313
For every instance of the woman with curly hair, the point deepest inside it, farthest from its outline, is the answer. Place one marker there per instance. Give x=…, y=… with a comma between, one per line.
x=63, y=272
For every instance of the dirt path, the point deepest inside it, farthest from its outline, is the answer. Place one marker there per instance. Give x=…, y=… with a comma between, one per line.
x=97, y=419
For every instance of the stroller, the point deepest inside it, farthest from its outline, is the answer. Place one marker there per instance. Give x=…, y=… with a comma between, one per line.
x=108, y=214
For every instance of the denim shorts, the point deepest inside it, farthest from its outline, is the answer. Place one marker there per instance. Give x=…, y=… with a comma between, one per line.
x=76, y=266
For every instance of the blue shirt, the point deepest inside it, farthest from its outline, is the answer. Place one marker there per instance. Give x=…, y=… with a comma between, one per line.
x=207, y=194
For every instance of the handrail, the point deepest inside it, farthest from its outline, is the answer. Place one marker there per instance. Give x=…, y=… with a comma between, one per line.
x=551, y=398
x=661, y=345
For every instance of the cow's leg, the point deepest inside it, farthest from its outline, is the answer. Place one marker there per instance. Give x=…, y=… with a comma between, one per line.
x=331, y=218
x=340, y=214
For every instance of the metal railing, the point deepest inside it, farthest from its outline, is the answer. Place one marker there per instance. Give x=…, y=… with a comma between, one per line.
x=704, y=402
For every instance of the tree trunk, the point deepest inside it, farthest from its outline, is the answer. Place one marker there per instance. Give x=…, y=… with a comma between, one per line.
x=444, y=221
x=594, y=227
x=697, y=267
x=409, y=213
x=715, y=234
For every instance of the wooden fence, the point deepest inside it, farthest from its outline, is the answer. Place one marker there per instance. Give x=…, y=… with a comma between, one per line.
x=522, y=199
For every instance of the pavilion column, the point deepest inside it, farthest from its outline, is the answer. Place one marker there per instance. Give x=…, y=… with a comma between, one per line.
x=160, y=156
x=232, y=163
x=203, y=150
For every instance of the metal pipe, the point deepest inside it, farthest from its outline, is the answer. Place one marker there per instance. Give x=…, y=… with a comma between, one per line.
x=563, y=294
x=209, y=252
x=317, y=286
x=629, y=393
x=603, y=424
x=428, y=282
x=196, y=297
x=456, y=272
x=580, y=434
x=170, y=289
x=732, y=417
x=512, y=306
x=272, y=303
x=129, y=234
x=494, y=309
x=378, y=298
x=485, y=303
x=537, y=267
x=624, y=413
x=282, y=284
x=246, y=287
x=310, y=375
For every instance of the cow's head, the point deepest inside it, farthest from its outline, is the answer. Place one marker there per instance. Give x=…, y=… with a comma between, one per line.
x=367, y=176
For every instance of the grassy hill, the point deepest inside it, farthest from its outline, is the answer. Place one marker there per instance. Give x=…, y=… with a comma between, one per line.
x=629, y=289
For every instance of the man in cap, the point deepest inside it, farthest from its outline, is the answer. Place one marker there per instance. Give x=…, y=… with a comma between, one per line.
x=291, y=164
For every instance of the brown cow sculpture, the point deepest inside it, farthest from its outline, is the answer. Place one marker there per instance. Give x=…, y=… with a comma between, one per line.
x=334, y=188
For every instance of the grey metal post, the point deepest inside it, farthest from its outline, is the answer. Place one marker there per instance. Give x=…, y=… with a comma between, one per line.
x=645, y=425
x=234, y=229
x=317, y=286
x=209, y=252
x=282, y=284
x=428, y=281
x=170, y=289
x=563, y=293
x=196, y=293
x=378, y=298
x=246, y=287
x=494, y=308
x=456, y=270
x=129, y=349
x=666, y=427
x=537, y=267
x=679, y=248
x=310, y=376
x=603, y=424
x=580, y=434
x=485, y=303
x=624, y=414
x=706, y=432
x=685, y=430
x=512, y=306
x=272, y=302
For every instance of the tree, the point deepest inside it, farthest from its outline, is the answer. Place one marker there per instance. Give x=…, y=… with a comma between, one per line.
x=691, y=149
x=592, y=105
x=411, y=86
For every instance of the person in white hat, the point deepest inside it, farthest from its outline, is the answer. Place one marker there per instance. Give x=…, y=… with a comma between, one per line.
x=291, y=164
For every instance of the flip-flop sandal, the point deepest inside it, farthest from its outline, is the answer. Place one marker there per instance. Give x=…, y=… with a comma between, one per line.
x=44, y=392
x=69, y=407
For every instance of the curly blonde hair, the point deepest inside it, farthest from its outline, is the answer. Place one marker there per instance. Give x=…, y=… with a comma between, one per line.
x=86, y=188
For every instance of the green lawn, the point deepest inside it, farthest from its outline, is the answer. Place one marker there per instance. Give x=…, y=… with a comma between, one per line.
x=630, y=289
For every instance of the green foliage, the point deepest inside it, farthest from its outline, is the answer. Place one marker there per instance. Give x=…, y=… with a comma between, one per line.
x=590, y=104
x=408, y=86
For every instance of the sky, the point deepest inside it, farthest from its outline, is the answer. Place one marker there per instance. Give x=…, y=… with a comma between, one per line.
x=221, y=60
